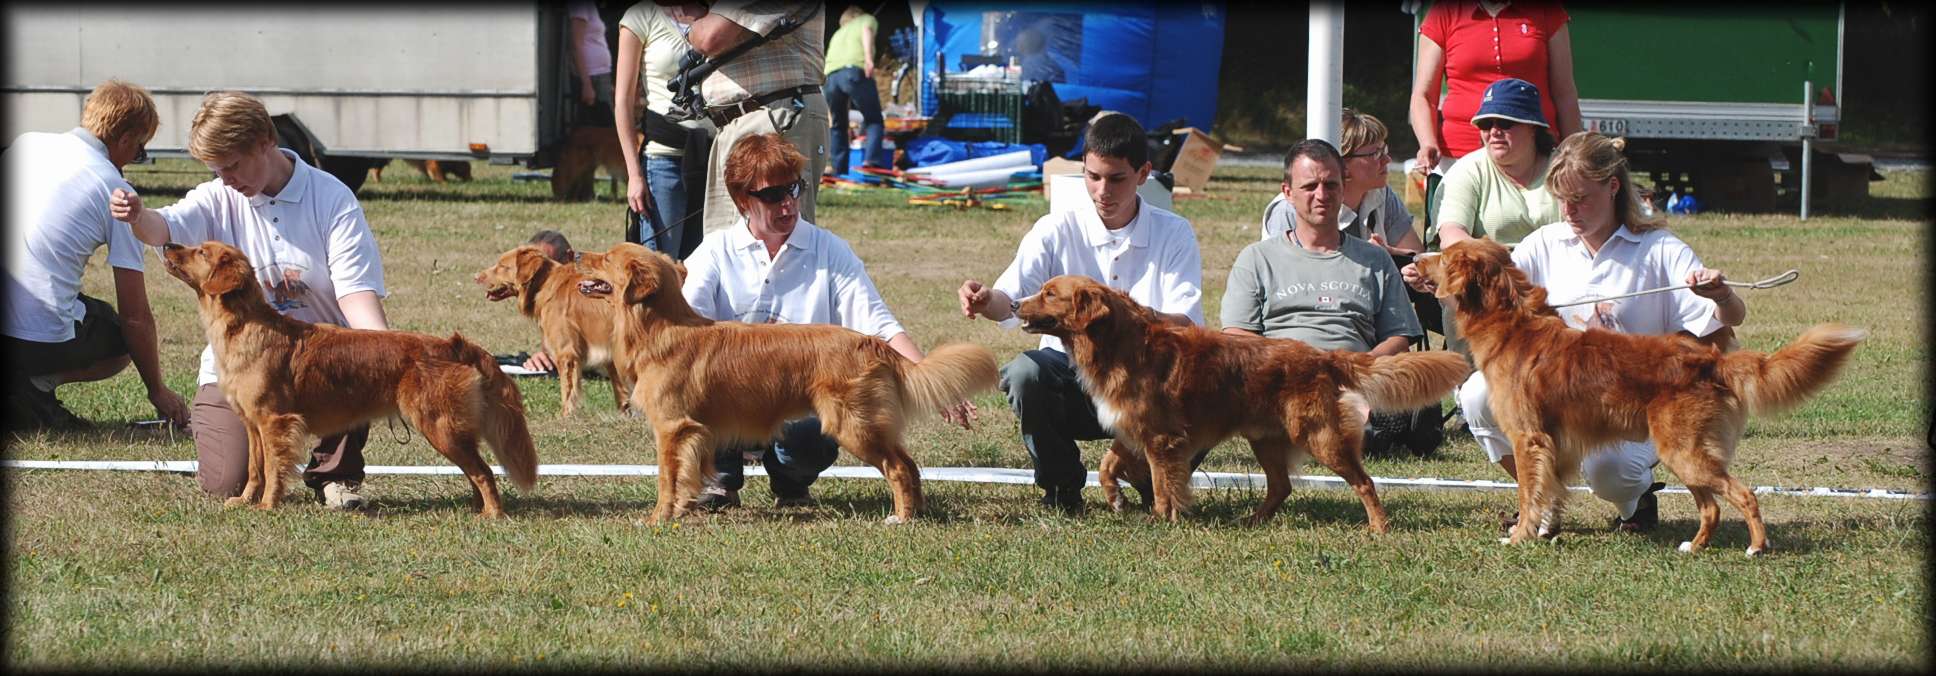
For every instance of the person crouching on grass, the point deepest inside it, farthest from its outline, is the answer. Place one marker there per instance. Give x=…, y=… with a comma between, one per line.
x=774, y=267
x=313, y=253
x=1132, y=246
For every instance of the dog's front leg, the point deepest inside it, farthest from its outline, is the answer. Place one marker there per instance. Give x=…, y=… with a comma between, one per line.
x=1169, y=461
x=281, y=436
x=568, y=380
x=252, y=484
x=1534, y=454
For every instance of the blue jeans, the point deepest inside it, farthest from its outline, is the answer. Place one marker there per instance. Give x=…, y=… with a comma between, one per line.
x=667, y=185
x=793, y=460
x=845, y=87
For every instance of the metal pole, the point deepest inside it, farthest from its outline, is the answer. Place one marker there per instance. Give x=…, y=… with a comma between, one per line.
x=1324, y=94
x=1808, y=143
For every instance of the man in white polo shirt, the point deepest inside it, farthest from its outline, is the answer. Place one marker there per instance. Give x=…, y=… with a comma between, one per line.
x=313, y=253
x=1130, y=245
x=774, y=267
x=57, y=217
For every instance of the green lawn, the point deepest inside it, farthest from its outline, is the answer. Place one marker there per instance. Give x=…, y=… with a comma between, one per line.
x=141, y=570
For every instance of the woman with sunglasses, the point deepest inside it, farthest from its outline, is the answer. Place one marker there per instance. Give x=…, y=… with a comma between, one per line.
x=1370, y=210
x=1500, y=192
x=772, y=266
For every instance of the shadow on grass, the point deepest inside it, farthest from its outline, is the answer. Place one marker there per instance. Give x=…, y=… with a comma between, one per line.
x=515, y=506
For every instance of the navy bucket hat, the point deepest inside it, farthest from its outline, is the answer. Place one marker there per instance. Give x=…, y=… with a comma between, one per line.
x=1511, y=99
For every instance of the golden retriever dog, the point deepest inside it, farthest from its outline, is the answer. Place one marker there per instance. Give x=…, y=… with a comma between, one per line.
x=289, y=380
x=577, y=330
x=1168, y=391
x=1559, y=392
x=703, y=383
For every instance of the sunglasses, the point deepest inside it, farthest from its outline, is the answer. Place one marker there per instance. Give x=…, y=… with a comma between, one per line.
x=1488, y=123
x=1382, y=151
x=778, y=193
x=140, y=156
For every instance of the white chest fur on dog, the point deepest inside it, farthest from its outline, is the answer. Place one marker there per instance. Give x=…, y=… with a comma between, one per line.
x=1106, y=415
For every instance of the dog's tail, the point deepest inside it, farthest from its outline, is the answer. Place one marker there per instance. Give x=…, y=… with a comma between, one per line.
x=502, y=421
x=1772, y=381
x=1401, y=382
x=947, y=375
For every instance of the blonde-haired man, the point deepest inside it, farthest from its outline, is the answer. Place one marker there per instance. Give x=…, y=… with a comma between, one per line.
x=57, y=216
x=313, y=253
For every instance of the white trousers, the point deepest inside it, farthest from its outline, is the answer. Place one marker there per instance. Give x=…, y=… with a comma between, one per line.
x=1618, y=472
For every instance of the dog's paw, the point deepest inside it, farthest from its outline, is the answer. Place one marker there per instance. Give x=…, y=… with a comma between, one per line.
x=893, y=520
x=1687, y=548
x=235, y=502
x=1754, y=552
x=1505, y=541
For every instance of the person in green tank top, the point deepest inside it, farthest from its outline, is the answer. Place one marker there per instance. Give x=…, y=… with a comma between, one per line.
x=850, y=83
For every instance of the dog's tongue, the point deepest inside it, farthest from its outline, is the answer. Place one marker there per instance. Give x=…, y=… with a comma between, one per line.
x=594, y=286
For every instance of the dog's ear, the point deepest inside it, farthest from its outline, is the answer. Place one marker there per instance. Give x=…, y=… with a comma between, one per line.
x=681, y=269
x=228, y=270
x=642, y=280
x=1088, y=305
x=530, y=262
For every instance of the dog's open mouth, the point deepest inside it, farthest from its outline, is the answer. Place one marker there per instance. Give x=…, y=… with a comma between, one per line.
x=1040, y=324
x=595, y=288
x=500, y=292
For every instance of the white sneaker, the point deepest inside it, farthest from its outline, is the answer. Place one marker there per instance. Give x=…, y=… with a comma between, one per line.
x=342, y=495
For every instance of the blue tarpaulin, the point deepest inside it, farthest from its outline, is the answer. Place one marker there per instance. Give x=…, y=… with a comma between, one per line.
x=1156, y=61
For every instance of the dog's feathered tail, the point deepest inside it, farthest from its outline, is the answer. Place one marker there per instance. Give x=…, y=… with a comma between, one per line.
x=502, y=419
x=1401, y=382
x=948, y=374
x=1772, y=381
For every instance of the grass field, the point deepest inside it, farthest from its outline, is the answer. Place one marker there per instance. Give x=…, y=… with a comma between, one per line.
x=141, y=570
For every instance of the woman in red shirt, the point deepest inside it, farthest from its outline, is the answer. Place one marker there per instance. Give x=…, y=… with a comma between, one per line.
x=1468, y=45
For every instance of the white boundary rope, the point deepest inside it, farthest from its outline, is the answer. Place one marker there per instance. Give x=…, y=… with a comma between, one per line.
x=1768, y=283
x=981, y=475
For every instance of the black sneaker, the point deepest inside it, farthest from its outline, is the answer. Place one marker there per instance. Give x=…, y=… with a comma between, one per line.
x=46, y=412
x=713, y=499
x=1070, y=502
x=1646, y=515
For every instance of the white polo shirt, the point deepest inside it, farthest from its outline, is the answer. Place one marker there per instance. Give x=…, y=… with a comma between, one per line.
x=814, y=279
x=1555, y=258
x=1154, y=259
x=57, y=215
x=310, y=244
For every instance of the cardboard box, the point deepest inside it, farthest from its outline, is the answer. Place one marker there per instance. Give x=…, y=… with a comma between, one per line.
x=1196, y=159
x=1062, y=180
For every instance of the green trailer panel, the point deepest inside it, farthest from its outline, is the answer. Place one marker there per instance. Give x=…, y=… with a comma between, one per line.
x=1721, y=54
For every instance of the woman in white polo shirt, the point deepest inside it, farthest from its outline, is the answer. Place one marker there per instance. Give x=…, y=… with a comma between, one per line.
x=1607, y=245
x=313, y=252
x=774, y=267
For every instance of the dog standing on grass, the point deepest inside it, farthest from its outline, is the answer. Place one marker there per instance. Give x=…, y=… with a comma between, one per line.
x=577, y=330
x=704, y=383
x=1169, y=391
x=289, y=380
x=1559, y=392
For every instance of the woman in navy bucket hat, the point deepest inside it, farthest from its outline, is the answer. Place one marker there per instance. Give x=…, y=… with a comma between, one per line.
x=1498, y=191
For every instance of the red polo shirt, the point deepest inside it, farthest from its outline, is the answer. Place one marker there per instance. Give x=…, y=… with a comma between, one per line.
x=1480, y=48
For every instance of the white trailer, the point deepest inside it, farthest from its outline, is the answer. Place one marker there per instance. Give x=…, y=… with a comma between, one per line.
x=349, y=86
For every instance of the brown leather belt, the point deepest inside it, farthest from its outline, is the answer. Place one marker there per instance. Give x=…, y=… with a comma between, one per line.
x=720, y=115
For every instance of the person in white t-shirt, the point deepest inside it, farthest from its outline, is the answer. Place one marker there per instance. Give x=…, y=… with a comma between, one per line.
x=665, y=183
x=57, y=217
x=313, y=253
x=1609, y=245
x=774, y=267
x=1124, y=242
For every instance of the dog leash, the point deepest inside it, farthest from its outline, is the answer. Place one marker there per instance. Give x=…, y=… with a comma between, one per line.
x=1768, y=283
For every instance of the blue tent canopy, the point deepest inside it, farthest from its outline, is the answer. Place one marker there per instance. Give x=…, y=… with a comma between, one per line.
x=1156, y=61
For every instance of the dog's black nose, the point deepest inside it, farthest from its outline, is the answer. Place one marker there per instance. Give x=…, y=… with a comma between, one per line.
x=171, y=246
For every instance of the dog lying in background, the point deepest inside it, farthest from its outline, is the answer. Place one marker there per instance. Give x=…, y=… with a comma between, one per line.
x=1559, y=392
x=703, y=383
x=437, y=170
x=289, y=380
x=577, y=330
x=1168, y=391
